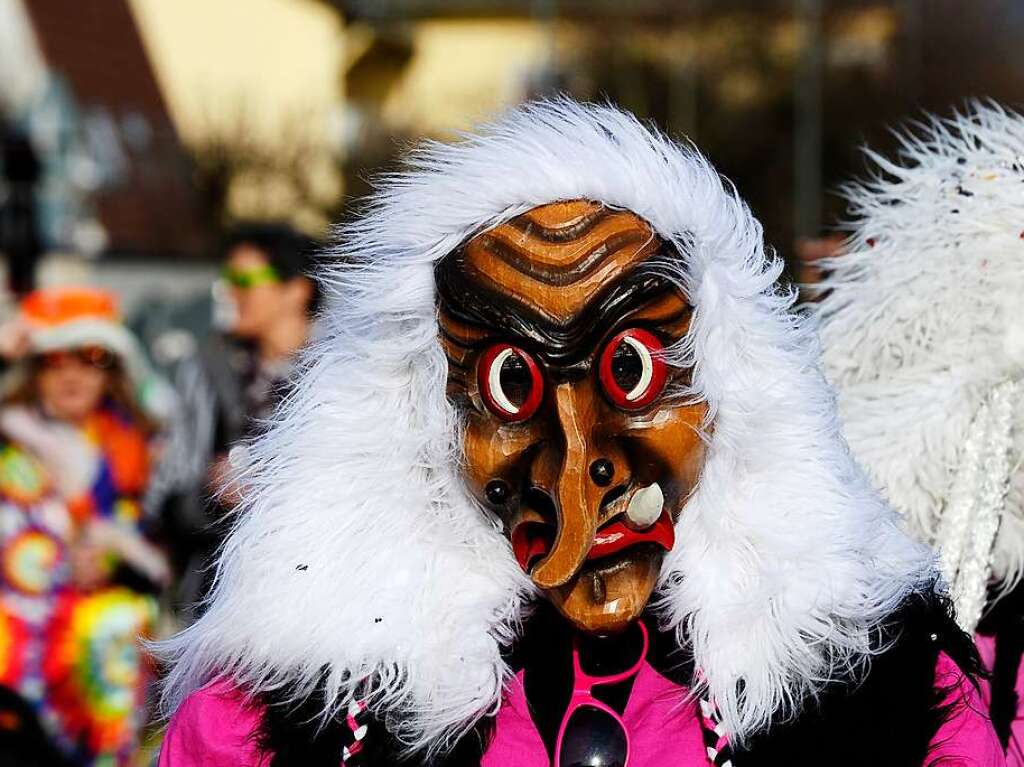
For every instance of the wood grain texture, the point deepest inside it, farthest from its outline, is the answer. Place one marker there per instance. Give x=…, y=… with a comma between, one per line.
x=558, y=282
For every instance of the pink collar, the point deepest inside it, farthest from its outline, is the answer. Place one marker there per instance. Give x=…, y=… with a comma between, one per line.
x=656, y=707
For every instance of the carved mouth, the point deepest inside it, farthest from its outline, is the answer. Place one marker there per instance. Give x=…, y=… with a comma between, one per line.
x=638, y=517
x=617, y=537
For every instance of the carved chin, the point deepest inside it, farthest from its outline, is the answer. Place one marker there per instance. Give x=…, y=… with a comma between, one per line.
x=607, y=595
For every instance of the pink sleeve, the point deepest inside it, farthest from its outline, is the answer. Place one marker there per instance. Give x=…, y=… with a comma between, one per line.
x=214, y=727
x=1015, y=748
x=967, y=738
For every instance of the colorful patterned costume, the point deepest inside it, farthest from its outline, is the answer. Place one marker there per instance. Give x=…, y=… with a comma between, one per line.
x=74, y=653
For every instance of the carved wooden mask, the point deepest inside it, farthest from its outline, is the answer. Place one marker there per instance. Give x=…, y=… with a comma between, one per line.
x=553, y=330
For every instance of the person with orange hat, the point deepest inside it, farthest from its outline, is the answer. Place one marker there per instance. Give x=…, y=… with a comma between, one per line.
x=77, y=573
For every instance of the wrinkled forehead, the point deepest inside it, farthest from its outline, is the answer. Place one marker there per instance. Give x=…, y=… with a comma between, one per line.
x=558, y=278
x=555, y=259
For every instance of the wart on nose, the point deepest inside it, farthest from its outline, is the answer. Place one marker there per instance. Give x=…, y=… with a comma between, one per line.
x=602, y=471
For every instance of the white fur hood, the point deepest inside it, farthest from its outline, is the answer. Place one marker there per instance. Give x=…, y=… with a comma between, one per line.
x=357, y=551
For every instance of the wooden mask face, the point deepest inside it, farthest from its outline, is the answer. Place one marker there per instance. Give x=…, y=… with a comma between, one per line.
x=553, y=332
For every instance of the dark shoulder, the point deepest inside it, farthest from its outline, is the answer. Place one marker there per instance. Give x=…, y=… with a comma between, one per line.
x=295, y=735
x=1003, y=625
x=887, y=714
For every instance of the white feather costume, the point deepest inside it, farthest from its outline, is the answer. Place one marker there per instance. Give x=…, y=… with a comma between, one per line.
x=358, y=551
x=924, y=337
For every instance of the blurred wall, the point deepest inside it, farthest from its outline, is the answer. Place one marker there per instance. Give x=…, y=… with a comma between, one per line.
x=463, y=71
x=258, y=82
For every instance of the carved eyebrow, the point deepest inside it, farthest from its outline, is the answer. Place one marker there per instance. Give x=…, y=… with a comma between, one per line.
x=565, y=231
x=581, y=267
x=563, y=345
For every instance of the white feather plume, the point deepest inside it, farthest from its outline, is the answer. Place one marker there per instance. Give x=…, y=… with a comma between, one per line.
x=357, y=554
x=922, y=319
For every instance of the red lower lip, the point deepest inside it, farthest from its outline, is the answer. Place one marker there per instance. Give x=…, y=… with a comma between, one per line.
x=616, y=537
x=533, y=540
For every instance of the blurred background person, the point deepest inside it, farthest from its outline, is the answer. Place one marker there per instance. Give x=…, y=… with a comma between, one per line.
x=265, y=303
x=77, y=573
x=923, y=339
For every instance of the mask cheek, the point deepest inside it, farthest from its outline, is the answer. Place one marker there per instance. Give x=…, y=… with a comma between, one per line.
x=668, y=448
x=494, y=456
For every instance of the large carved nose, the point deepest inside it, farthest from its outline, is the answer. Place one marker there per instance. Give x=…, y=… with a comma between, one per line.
x=577, y=496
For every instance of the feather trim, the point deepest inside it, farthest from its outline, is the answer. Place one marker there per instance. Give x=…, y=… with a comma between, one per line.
x=921, y=325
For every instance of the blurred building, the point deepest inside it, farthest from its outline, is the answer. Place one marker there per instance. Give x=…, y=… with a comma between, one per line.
x=284, y=109
x=257, y=92
x=781, y=94
x=76, y=81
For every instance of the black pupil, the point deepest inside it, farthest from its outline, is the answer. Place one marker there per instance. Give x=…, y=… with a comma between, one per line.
x=627, y=367
x=516, y=381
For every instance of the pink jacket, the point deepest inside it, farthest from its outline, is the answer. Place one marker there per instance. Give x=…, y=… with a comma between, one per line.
x=1015, y=748
x=214, y=728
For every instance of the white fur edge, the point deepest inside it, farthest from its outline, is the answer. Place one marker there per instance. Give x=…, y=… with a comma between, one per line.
x=786, y=563
x=922, y=316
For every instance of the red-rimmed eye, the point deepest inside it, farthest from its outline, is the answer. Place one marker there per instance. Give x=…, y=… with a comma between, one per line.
x=632, y=370
x=510, y=382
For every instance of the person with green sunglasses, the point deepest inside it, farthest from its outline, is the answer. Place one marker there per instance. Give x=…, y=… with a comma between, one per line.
x=264, y=304
x=250, y=278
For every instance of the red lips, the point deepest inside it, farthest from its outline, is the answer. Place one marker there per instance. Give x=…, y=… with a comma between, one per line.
x=616, y=537
x=533, y=540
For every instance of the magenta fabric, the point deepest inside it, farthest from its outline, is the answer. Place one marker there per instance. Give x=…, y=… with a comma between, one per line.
x=215, y=727
x=1015, y=748
x=967, y=739
x=656, y=706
